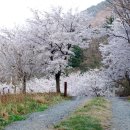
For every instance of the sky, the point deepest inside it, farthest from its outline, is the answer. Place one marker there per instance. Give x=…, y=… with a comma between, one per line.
x=15, y=12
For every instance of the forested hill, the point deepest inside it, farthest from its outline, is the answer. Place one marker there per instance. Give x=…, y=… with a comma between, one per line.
x=98, y=14
x=97, y=17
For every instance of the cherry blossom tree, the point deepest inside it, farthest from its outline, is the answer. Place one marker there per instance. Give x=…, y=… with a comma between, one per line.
x=58, y=32
x=121, y=10
x=116, y=55
x=19, y=60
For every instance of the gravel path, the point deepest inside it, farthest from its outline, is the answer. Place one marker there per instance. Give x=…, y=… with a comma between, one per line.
x=44, y=120
x=121, y=114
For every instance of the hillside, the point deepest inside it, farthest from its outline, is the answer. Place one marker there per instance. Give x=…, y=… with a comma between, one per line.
x=98, y=14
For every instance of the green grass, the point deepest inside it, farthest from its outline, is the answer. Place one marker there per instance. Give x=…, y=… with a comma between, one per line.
x=96, y=103
x=80, y=122
x=11, y=118
x=17, y=107
x=88, y=117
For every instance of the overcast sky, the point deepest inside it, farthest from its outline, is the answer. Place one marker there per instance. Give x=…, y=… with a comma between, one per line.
x=17, y=11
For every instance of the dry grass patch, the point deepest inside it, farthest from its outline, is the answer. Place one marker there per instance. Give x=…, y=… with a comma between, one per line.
x=15, y=107
x=128, y=98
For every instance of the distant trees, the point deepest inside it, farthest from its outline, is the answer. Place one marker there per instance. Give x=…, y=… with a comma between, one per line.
x=109, y=22
x=91, y=83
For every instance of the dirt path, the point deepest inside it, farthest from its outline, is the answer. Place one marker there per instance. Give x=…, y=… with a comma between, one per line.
x=44, y=120
x=121, y=114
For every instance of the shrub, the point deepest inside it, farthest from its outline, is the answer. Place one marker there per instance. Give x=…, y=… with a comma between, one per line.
x=76, y=59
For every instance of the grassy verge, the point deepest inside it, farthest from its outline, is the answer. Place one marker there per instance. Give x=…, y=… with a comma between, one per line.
x=16, y=107
x=128, y=98
x=94, y=115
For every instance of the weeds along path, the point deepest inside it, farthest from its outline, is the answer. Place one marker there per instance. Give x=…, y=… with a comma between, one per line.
x=121, y=114
x=45, y=120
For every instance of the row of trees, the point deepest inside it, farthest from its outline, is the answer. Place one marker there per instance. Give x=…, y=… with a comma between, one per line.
x=43, y=47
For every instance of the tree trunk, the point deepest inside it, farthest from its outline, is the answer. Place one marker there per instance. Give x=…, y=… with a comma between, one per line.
x=127, y=84
x=57, y=78
x=15, y=89
x=24, y=84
